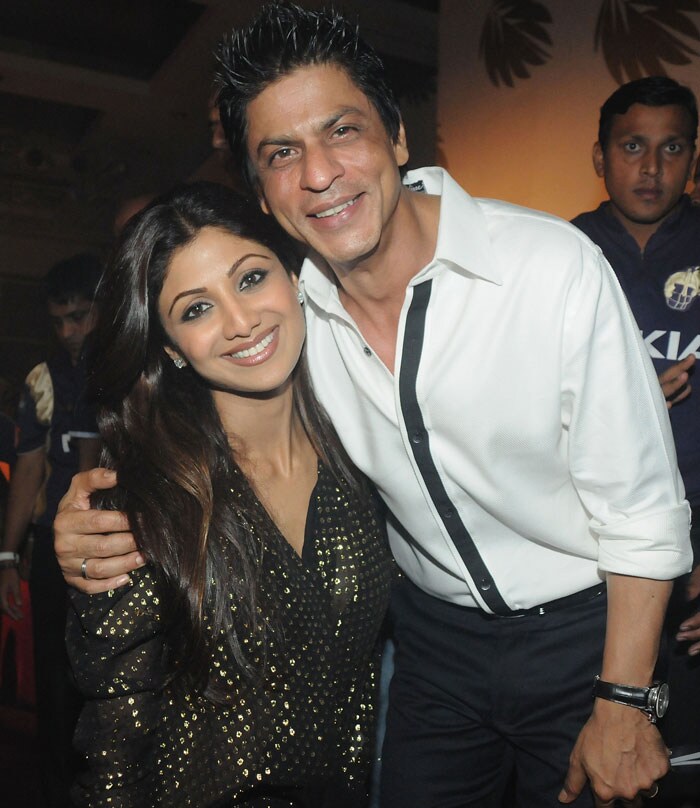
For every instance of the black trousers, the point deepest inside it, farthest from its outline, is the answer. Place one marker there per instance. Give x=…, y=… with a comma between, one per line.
x=58, y=702
x=476, y=700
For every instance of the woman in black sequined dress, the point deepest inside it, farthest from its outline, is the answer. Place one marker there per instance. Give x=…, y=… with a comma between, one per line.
x=239, y=666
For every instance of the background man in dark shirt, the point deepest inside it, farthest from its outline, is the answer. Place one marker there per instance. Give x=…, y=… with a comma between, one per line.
x=650, y=232
x=48, y=456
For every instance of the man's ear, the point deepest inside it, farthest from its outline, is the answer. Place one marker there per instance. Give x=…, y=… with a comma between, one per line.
x=401, y=147
x=598, y=160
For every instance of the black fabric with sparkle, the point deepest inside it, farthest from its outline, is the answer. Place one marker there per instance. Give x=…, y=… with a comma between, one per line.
x=301, y=736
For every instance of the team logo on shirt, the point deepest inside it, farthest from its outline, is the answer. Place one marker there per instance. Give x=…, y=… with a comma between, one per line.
x=682, y=288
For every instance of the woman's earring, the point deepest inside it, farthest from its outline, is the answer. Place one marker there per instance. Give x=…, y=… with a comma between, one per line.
x=300, y=297
x=179, y=362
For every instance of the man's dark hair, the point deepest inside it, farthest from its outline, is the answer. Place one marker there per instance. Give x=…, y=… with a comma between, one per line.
x=77, y=276
x=653, y=91
x=282, y=38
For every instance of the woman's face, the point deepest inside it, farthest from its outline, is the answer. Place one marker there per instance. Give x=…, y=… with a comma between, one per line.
x=231, y=311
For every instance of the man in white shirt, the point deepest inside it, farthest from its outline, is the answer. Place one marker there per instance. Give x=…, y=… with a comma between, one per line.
x=481, y=366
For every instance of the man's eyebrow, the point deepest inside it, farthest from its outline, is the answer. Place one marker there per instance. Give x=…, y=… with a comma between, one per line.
x=277, y=140
x=669, y=139
x=336, y=116
x=632, y=133
x=323, y=126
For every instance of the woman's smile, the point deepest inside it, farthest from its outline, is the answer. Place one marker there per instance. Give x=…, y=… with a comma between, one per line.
x=259, y=352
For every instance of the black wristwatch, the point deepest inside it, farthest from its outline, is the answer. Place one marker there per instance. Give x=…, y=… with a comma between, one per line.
x=653, y=701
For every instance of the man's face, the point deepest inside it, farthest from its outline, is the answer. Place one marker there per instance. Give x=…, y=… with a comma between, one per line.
x=326, y=167
x=646, y=163
x=72, y=322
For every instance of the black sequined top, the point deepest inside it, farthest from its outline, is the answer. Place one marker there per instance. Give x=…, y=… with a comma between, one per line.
x=300, y=736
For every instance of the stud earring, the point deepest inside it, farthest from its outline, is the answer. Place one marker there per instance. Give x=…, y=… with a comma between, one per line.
x=300, y=297
x=179, y=363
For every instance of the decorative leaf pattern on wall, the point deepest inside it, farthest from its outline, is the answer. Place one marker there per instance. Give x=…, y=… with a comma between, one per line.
x=514, y=37
x=638, y=36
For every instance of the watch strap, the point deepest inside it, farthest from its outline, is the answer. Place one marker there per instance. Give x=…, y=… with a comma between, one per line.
x=622, y=694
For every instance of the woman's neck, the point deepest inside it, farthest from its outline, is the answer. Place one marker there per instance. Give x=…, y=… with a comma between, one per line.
x=265, y=433
x=275, y=454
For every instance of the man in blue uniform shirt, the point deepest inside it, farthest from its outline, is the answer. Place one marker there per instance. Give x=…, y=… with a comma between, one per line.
x=650, y=233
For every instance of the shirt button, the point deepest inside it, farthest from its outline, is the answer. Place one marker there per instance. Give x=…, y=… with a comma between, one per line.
x=417, y=437
x=368, y=351
x=485, y=585
x=448, y=513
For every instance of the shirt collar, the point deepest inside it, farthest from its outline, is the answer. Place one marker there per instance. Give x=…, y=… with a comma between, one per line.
x=463, y=243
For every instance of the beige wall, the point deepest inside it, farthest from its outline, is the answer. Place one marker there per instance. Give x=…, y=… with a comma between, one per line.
x=531, y=143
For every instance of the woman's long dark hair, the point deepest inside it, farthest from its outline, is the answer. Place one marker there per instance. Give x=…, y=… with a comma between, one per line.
x=179, y=481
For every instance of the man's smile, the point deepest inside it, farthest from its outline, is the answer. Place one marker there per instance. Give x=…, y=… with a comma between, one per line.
x=335, y=210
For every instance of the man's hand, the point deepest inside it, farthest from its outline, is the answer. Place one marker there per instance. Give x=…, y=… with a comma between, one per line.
x=620, y=752
x=689, y=630
x=674, y=381
x=101, y=538
x=10, y=593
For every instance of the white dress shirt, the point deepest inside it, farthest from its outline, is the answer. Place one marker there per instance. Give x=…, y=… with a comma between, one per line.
x=522, y=444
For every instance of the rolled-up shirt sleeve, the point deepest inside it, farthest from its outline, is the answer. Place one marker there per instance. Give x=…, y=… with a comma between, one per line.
x=621, y=449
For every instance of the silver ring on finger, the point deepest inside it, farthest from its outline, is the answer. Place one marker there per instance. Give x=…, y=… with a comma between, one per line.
x=83, y=570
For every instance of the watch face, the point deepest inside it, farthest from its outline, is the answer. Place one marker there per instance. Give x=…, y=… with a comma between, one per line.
x=659, y=699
